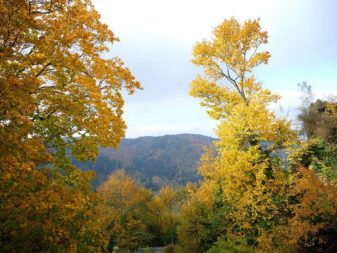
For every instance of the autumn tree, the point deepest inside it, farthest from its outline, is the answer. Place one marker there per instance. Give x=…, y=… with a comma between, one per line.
x=311, y=219
x=136, y=216
x=310, y=225
x=247, y=171
x=55, y=84
x=59, y=95
x=268, y=190
x=318, y=118
x=164, y=211
x=170, y=201
x=127, y=205
x=202, y=219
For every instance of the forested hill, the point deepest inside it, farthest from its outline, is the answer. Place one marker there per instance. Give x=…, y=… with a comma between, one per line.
x=152, y=161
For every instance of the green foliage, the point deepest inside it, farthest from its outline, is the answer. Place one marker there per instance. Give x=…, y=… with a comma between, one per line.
x=318, y=156
x=230, y=246
x=319, y=120
x=170, y=249
x=200, y=225
x=147, y=250
x=136, y=217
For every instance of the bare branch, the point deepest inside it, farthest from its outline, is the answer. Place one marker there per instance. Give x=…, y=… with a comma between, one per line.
x=43, y=69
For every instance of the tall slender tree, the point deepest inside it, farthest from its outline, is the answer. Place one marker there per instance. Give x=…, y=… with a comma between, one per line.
x=246, y=176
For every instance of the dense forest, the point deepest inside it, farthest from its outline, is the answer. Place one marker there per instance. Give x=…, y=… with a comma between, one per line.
x=263, y=187
x=152, y=161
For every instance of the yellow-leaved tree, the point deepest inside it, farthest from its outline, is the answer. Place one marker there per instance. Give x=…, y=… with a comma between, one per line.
x=135, y=216
x=246, y=177
x=127, y=207
x=264, y=190
x=59, y=96
x=170, y=201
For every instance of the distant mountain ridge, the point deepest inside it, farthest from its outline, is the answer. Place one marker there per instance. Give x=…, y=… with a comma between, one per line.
x=152, y=161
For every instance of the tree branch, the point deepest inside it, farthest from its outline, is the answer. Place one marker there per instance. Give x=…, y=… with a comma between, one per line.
x=43, y=69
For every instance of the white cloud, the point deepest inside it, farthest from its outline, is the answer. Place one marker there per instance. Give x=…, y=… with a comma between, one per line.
x=159, y=130
x=157, y=37
x=167, y=116
x=185, y=20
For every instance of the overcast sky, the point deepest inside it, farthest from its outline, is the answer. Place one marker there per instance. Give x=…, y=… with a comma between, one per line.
x=156, y=41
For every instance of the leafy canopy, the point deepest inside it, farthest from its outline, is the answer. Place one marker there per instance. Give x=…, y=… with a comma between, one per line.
x=244, y=180
x=59, y=94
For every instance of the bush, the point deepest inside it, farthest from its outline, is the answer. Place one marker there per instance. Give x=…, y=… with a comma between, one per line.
x=230, y=246
x=170, y=249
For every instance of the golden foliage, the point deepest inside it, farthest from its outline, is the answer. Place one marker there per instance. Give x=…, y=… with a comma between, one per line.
x=255, y=186
x=311, y=216
x=58, y=95
x=46, y=215
x=54, y=81
x=245, y=179
x=126, y=203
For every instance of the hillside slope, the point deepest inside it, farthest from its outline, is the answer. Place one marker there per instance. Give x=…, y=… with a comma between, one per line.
x=152, y=161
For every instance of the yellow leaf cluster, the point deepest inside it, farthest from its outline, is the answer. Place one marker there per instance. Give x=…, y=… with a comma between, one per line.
x=58, y=96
